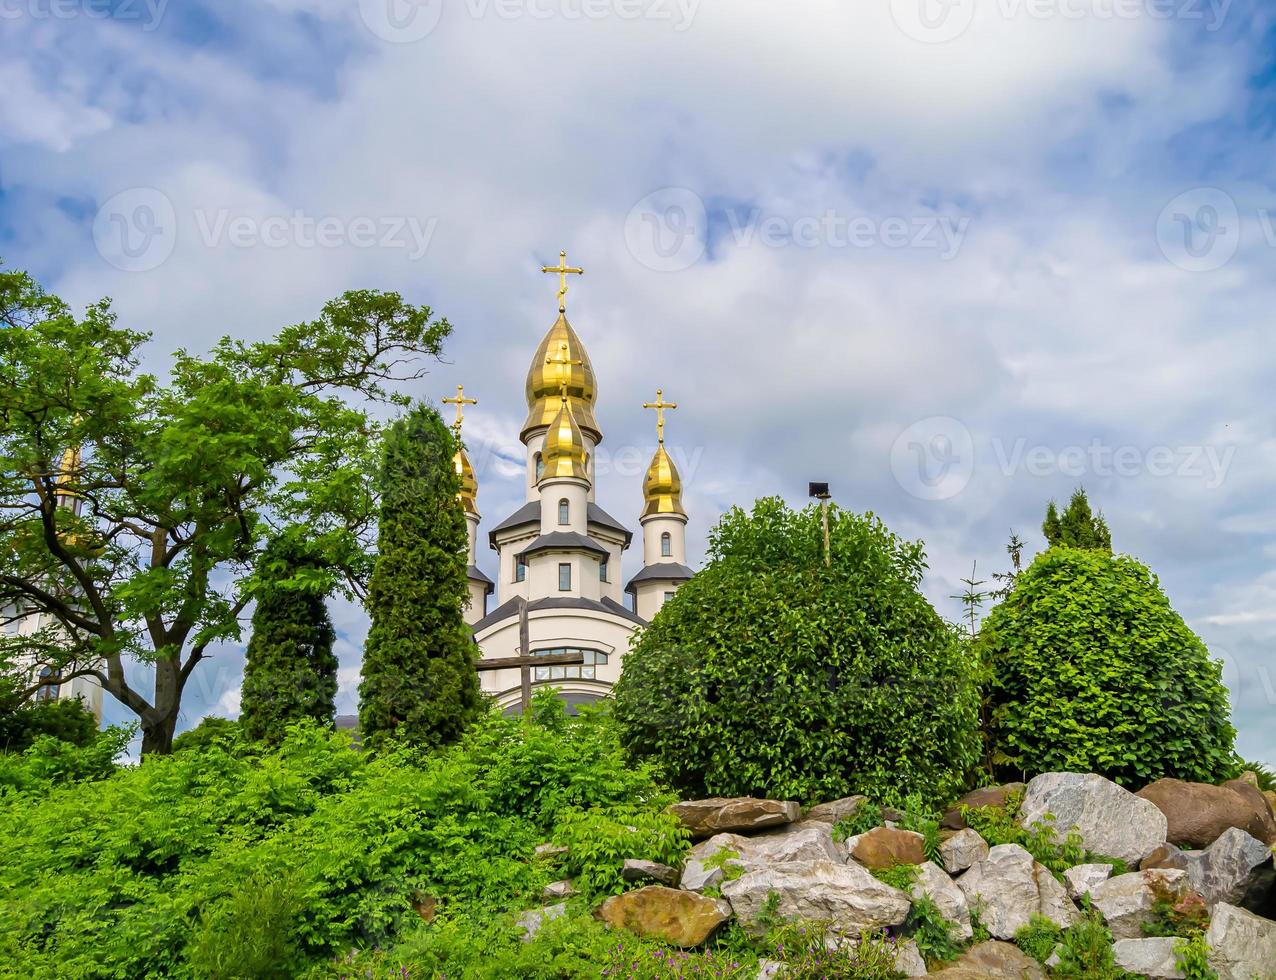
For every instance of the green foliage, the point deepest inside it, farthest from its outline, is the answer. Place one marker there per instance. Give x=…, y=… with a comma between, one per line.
x=1039, y=938
x=143, y=873
x=209, y=732
x=1086, y=953
x=1266, y=775
x=249, y=934
x=65, y=719
x=419, y=683
x=1170, y=917
x=50, y=762
x=1192, y=956
x=810, y=952
x=864, y=819
x=600, y=839
x=291, y=672
x=938, y=939
x=1092, y=671
x=999, y=825
x=921, y=819
x=901, y=876
x=727, y=860
x=179, y=482
x=1078, y=527
x=773, y=674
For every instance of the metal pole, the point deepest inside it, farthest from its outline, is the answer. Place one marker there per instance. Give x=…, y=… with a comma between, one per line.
x=824, y=516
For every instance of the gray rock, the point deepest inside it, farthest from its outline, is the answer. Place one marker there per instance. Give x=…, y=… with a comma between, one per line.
x=1008, y=888
x=720, y=815
x=993, y=961
x=803, y=842
x=769, y=969
x=1242, y=945
x=962, y=850
x=933, y=882
x=1151, y=958
x=1236, y=869
x=661, y=874
x=549, y=850
x=844, y=896
x=1085, y=878
x=908, y=960
x=531, y=922
x=835, y=810
x=558, y=890
x=1111, y=821
x=1126, y=901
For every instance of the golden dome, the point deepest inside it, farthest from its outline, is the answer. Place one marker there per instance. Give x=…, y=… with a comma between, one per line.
x=662, y=488
x=563, y=454
x=551, y=365
x=469, y=482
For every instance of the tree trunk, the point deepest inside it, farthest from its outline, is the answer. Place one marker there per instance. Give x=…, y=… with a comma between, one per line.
x=157, y=735
x=159, y=724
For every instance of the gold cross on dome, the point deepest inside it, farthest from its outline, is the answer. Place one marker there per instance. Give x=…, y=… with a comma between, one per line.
x=460, y=401
x=660, y=405
x=563, y=271
x=564, y=360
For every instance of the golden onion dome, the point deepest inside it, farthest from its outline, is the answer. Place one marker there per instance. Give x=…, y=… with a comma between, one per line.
x=564, y=454
x=662, y=488
x=469, y=482
x=551, y=366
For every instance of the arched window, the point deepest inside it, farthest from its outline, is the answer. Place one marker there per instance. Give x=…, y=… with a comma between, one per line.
x=540, y=467
x=666, y=545
x=48, y=685
x=564, y=512
x=587, y=671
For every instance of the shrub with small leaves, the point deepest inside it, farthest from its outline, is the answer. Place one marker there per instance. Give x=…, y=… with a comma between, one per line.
x=1039, y=938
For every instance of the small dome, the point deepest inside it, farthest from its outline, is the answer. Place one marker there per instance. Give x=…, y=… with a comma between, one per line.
x=469, y=482
x=564, y=454
x=662, y=488
x=545, y=378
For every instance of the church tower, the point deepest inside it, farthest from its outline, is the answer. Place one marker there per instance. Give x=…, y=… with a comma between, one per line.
x=480, y=585
x=664, y=526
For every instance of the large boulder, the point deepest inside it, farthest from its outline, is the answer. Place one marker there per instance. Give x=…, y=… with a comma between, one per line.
x=844, y=896
x=669, y=914
x=1236, y=869
x=993, y=961
x=908, y=960
x=835, y=810
x=1165, y=856
x=740, y=814
x=1084, y=878
x=1009, y=887
x=886, y=847
x=1242, y=945
x=634, y=870
x=804, y=842
x=976, y=799
x=1263, y=826
x=1126, y=901
x=961, y=850
x=1155, y=959
x=933, y=883
x=1198, y=813
x=1111, y=820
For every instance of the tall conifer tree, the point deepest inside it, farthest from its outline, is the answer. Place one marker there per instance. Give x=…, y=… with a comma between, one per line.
x=419, y=683
x=291, y=673
x=1077, y=527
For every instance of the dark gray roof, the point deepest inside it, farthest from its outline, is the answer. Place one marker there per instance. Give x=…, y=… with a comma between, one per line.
x=530, y=513
x=567, y=540
x=508, y=610
x=669, y=571
x=475, y=574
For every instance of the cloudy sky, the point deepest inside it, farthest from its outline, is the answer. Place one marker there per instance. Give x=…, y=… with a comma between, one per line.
x=956, y=257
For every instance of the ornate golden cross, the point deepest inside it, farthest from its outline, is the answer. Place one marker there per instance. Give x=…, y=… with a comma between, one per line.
x=563, y=271
x=460, y=401
x=564, y=361
x=660, y=405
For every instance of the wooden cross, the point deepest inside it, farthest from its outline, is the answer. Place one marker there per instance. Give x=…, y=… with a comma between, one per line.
x=566, y=362
x=525, y=661
x=563, y=271
x=460, y=401
x=660, y=405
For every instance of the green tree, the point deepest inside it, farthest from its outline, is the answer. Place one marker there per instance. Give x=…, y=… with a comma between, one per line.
x=419, y=684
x=1091, y=670
x=132, y=511
x=22, y=722
x=291, y=671
x=212, y=731
x=772, y=673
x=1077, y=527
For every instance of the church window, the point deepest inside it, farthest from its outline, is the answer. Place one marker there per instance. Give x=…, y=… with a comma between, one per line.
x=540, y=466
x=602, y=570
x=565, y=577
x=564, y=512
x=48, y=685
x=668, y=596
x=586, y=671
x=666, y=545
x=520, y=569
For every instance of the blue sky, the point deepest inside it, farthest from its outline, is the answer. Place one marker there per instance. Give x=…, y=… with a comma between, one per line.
x=956, y=259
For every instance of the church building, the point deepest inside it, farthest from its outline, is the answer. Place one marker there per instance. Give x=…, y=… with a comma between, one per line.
x=561, y=552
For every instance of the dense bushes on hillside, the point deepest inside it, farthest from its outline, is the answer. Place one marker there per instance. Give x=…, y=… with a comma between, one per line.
x=773, y=673
x=1091, y=670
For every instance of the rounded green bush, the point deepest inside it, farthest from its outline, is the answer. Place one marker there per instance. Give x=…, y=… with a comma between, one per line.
x=771, y=673
x=1090, y=670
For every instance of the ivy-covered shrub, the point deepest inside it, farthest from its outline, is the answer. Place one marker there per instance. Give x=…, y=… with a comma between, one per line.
x=1091, y=670
x=773, y=673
